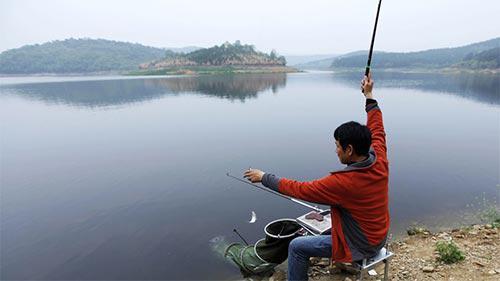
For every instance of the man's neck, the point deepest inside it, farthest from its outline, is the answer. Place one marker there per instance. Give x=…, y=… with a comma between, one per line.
x=358, y=158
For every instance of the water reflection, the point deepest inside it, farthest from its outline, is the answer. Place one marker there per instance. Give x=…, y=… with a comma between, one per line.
x=117, y=92
x=230, y=87
x=480, y=87
x=139, y=193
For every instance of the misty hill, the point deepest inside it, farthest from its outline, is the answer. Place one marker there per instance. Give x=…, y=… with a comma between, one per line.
x=324, y=63
x=185, y=50
x=435, y=58
x=302, y=59
x=489, y=59
x=226, y=54
x=77, y=56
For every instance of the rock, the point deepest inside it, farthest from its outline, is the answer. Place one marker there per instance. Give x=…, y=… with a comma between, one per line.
x=492, y=272
x=492, y=231
x=278, y=275
x=478, y=263
x=416, y=230
x=372, y=272
x=347, y=279
x=325, y=271
x=488, y=226
x=476, y=227
x=323, y=262
x=497, y=270
x=406, y=272
x=459, y=236
x=314, y=260
x=428, y=269
x=442, y=235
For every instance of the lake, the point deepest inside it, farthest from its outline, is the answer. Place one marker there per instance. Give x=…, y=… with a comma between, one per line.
x=125, y=177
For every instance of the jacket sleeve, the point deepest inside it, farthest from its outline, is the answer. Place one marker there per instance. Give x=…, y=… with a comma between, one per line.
x=376, y=125
x=326, y=191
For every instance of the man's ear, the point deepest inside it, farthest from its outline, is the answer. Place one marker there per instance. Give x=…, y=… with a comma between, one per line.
x=349, y=150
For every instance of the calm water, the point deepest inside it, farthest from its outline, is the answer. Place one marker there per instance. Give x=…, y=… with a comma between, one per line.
x=115, y=178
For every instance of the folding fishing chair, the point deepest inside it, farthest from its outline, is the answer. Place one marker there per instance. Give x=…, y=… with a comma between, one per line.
x=383, y=256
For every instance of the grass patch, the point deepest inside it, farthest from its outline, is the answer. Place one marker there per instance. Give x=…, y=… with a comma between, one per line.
x=417, y=229
x=449, y=252
x=491, y=216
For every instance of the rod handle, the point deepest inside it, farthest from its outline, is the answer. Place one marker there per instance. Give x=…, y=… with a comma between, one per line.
x=367, y=71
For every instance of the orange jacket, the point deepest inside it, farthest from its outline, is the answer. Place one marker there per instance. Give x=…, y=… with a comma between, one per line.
x=358, y=196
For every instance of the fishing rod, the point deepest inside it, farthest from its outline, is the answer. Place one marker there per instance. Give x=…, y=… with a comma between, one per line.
x=277, y=193
x=369, y=62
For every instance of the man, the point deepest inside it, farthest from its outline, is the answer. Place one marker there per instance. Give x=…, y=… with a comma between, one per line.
x=358, y=194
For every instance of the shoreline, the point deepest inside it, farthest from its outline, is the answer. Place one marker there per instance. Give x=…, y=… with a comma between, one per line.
x=250, y=70
x=207, y=70
x=446, y=70
x=416, y=257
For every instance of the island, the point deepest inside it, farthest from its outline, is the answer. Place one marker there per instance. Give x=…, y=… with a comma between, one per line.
x=226, y=58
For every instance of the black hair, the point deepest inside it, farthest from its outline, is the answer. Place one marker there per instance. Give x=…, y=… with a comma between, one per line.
x=355, y=134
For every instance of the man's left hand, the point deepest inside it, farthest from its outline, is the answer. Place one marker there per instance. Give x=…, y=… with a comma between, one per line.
x=253, y=175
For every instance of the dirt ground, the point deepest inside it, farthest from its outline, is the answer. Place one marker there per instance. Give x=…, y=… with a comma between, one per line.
x=416, y=258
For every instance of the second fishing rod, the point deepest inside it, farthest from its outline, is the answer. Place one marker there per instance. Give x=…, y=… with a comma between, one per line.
x=277, y=193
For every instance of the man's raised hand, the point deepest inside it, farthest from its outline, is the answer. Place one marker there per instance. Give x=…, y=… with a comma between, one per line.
x=367, y=86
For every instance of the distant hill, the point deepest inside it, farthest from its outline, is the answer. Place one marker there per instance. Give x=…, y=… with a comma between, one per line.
x=185, y=50
x=489, y=59
x=324, y=63
x=226, y=54
x=435, y=58
x=77, y=56
x=294, y=60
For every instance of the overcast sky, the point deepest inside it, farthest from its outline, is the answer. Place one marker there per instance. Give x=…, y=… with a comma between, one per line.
x=290, y=27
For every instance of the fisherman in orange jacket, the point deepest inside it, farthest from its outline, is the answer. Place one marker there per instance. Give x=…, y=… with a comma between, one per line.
x=357, y=194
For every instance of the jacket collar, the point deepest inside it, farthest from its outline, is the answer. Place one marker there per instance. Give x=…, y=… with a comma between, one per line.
x=372, y=157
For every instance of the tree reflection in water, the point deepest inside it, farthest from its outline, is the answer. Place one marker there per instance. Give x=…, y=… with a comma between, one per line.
x=105, y=93
x=480, y=87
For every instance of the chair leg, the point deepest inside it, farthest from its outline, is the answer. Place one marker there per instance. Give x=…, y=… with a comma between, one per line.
x=386, y=270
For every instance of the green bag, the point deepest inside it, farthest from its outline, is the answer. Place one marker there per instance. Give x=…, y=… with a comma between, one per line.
x=268, y=252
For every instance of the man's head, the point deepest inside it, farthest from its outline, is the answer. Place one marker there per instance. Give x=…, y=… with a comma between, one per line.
x=353, y=141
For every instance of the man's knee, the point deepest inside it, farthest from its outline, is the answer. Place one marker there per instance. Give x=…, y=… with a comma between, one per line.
x=296, y=246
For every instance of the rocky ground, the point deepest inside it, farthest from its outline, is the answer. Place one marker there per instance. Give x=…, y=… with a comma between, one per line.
x=416, y=258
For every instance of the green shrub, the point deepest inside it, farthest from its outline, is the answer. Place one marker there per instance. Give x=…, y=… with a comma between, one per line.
x=491, y=216
x=417, y=229
x=449, y=252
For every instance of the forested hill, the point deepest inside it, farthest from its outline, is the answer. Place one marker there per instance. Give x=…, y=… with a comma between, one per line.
x=489, y=59
x=226, y=54
x=482, y=55
x=77, y=56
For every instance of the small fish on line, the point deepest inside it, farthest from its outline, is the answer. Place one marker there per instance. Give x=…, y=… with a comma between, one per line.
x=254, y=218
